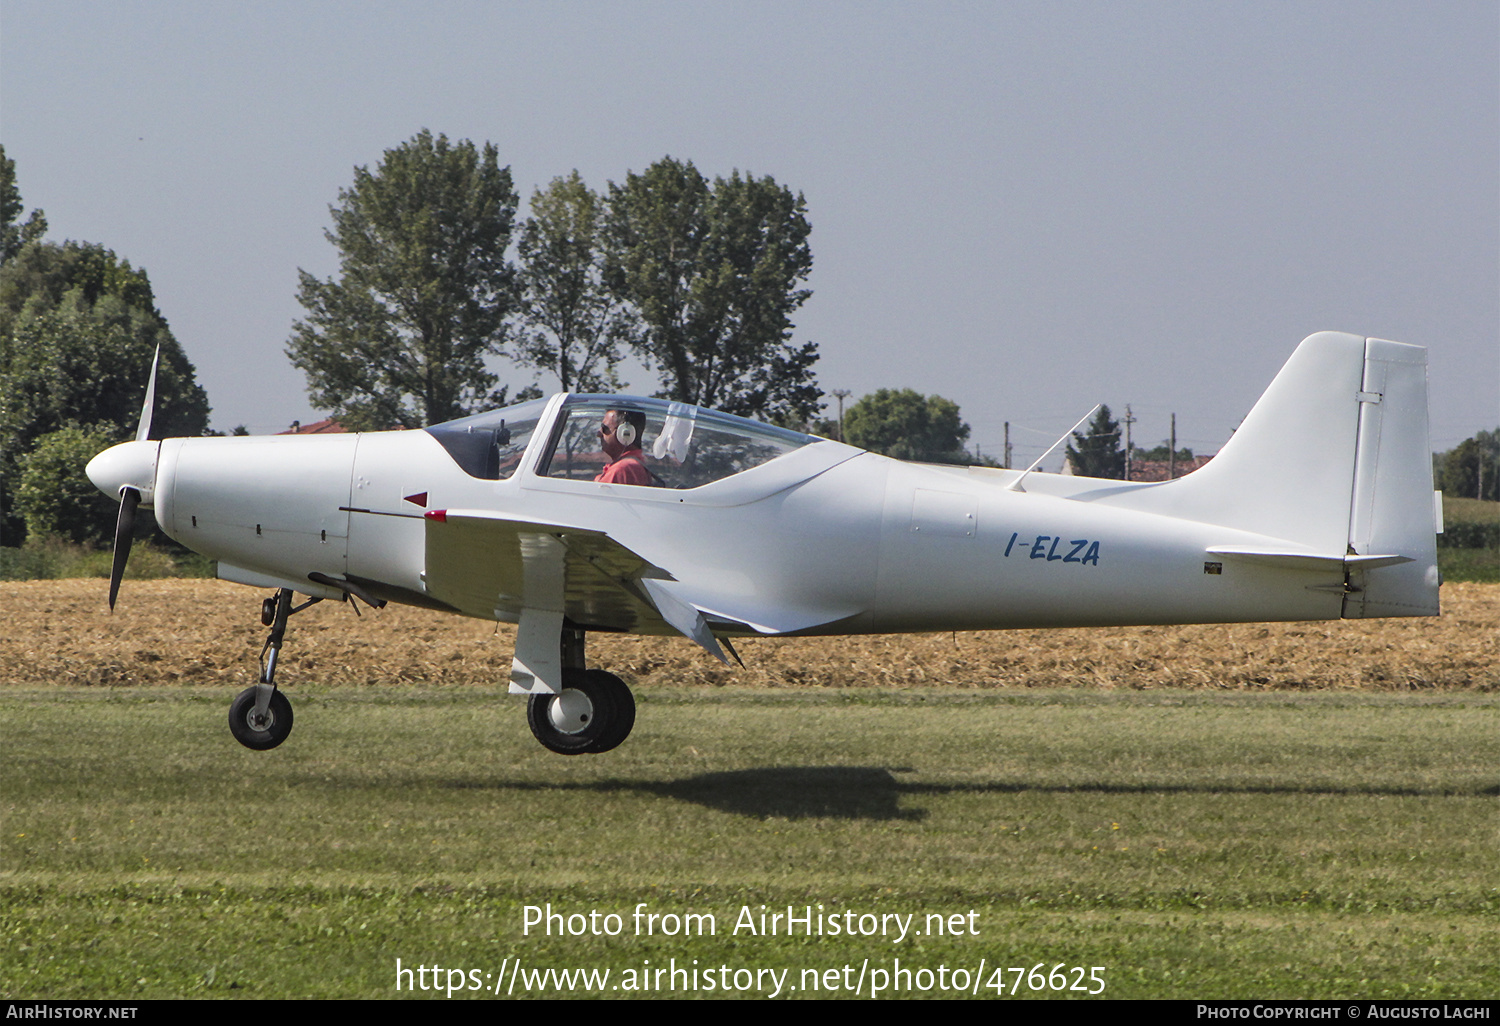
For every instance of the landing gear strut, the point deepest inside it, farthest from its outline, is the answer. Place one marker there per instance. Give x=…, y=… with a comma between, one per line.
x=260, y=717
x=593, y=714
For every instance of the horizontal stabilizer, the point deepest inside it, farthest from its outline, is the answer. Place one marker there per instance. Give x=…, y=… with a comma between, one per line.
x=1304, y=560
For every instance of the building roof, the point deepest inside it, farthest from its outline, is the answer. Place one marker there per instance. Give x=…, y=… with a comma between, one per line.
x=327, y=426
x=1156, y=470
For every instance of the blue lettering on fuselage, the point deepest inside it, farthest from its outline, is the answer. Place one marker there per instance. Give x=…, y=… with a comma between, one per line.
x=1053, y=548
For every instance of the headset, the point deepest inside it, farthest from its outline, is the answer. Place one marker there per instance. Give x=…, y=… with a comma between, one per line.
x=626, y=433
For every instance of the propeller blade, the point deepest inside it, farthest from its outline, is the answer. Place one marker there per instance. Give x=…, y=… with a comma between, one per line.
x=145, y=427
x=124, y=535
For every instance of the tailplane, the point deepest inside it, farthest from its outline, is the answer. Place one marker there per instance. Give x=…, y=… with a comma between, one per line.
x=1334, y=461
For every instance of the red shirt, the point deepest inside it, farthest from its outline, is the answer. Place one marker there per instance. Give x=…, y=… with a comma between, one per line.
x=628, y=469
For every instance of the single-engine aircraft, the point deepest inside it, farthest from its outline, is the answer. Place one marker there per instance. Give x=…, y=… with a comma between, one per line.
x=581, y=513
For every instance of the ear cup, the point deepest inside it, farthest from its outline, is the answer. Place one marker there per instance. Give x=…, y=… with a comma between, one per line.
x=625, y=433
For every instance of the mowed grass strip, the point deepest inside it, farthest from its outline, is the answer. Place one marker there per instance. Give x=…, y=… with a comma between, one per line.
x=1195, y=843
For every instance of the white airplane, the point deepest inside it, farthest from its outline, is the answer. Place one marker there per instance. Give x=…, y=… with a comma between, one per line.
x=1319, y=507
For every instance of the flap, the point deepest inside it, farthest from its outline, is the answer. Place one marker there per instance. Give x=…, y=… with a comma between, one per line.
x=476, y=561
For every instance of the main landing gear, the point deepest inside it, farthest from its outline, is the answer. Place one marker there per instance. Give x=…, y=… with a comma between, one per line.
x=260, y=717
x=593, y=714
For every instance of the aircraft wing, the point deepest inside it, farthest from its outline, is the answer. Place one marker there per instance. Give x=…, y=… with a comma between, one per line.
x=539, y=574
x=494, y=565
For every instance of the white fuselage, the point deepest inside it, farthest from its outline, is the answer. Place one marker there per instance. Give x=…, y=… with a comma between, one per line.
x=847, y=542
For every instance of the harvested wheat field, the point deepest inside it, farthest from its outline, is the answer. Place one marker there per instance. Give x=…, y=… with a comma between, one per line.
x=197, y=632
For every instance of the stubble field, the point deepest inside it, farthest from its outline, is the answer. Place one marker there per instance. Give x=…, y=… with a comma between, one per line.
x=201, y=632
x=1265, y=811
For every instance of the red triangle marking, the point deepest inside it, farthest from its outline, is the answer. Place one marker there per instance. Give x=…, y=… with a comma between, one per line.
x=420, y=499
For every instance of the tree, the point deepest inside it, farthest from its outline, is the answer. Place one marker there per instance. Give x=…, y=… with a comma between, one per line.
x=713, y=271
x=572, y=325
x=424, y=289
x=908, y=426
x=40, y=278
x=14, y=236
x=55, y=497
x=78, y=329
x=1471, y=470
x=1098, y=453
x=1162, y=453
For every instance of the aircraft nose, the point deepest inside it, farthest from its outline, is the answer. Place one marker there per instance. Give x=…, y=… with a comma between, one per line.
x=127, y=465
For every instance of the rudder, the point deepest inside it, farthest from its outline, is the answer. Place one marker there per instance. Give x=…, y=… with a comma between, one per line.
x=1391, y=509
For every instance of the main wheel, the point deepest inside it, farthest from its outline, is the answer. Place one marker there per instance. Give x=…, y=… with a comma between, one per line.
x=575, y=721
x=618, y=728
x=263, y=735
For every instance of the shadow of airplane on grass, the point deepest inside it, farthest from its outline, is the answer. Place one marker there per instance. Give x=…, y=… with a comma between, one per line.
x=874, y=793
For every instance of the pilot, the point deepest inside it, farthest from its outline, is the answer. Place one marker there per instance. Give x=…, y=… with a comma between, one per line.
x=620, y=434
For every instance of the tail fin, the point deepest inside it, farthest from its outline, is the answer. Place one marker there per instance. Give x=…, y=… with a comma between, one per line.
x=1334, y=460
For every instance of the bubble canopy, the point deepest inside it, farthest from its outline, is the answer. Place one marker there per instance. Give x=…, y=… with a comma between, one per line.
x=683, y=446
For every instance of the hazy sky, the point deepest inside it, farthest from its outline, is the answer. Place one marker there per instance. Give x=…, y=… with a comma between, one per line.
x=1025, y=207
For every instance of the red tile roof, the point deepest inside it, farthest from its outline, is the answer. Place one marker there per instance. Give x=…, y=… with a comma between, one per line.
x=328, y=426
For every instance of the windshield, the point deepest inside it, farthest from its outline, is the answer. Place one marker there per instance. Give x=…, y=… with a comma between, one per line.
x=490, y=445
x=672, y=445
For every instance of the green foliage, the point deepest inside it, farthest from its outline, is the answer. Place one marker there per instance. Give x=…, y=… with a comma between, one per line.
x=88, y=364
x=572, y=325
x=908, y=426
x=1471, y=470
x=42, y=278
x=51, y=558
x=1477, y=565
x=1161, y=453
x=714, y=272
x=13, y=236
x=56, y=498
x=1470, y=535
x=1099, y=452
x=1469, y=547
x=399, y=340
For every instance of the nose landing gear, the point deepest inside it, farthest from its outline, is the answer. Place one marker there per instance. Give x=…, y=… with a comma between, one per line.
x=260, y=717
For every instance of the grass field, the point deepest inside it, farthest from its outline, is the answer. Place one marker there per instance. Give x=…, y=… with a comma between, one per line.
x=1318, y=816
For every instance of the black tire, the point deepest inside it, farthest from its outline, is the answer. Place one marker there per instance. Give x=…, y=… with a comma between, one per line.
x=623, y=716
x=269, y=734
x=576, y=720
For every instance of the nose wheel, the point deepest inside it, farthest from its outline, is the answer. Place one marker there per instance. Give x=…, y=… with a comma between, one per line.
x=260, y=730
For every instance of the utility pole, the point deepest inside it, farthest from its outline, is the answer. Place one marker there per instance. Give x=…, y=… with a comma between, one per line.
x=1172, y=451
x=1007, y=445
x=840, y=394
x=1129, y=420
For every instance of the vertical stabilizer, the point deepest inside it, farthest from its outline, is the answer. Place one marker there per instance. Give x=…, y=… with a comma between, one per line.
x=1288, y=469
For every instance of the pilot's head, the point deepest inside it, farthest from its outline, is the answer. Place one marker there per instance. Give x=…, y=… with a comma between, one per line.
x=621, y=431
